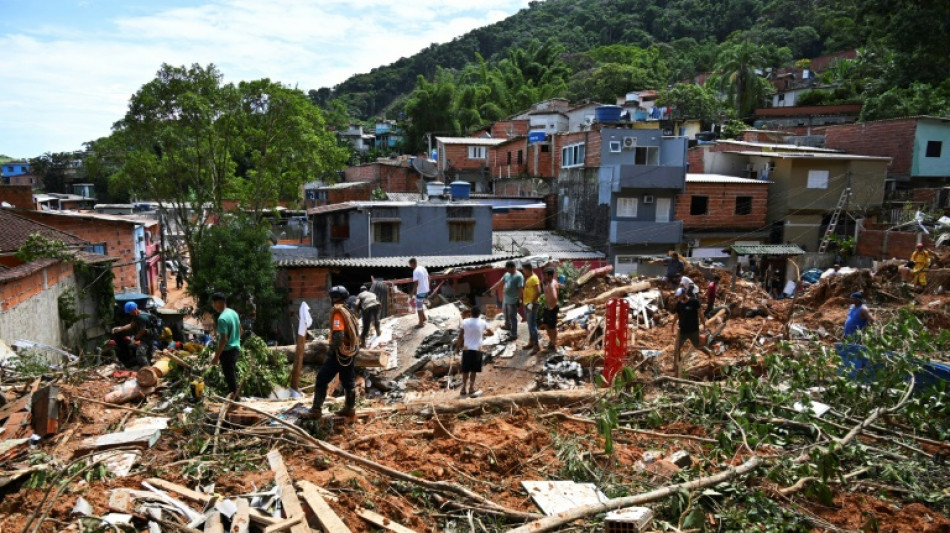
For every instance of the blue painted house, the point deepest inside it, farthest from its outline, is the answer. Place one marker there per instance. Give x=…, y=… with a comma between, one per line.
x=13, y=168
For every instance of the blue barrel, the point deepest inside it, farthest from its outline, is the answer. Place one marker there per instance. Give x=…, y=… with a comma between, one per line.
x=608, y=113
x=461, y=189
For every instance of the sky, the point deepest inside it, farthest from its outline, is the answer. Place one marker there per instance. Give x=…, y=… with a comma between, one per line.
x=69, y=67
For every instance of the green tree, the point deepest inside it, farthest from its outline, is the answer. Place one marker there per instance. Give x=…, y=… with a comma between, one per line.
x=234, y=258
x=53, y=170
x=739, y=75
x=690, y=101
x=430, y=109
x=917, y=99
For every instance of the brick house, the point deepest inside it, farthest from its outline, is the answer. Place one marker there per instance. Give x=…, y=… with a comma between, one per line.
x=134, y=242
x=466, y=158
x=717, y=210
x=391, y=175
x=17, y=196
x=30, y=292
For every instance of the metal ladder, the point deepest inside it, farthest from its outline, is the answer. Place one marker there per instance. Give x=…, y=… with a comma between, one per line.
x=833, y=223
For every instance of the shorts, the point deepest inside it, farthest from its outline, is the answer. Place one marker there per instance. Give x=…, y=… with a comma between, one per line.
x=421, y=300
x=549, y=318
x=471, y=361
x=692, y=337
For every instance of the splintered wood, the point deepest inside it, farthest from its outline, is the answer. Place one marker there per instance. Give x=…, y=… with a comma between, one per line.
x=328, y=519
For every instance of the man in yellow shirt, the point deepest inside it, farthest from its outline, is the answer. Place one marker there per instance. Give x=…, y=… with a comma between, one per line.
x=921, y=258
x=532, y=298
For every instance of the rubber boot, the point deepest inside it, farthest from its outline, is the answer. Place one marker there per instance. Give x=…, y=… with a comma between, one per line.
x=349, y=405
x=316, y=412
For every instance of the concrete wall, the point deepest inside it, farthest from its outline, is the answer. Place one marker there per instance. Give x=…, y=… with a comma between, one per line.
x=931, y=167
x=28, y=303
x=579, y=210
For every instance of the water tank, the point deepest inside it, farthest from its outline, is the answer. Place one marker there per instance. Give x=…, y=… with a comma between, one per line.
x=461, y=189
x=608, y=113
x=434, y=188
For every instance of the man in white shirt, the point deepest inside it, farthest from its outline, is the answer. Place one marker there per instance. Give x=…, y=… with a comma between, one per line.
x=473, y=330
x=420, y=288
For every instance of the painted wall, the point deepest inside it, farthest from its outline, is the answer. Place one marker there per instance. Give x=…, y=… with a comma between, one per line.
x=931, y=130
x=28, y=304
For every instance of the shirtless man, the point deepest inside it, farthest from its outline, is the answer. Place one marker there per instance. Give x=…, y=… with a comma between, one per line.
x=551, y=308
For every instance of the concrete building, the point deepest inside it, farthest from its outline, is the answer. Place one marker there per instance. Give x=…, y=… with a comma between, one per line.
x=717, y=211
x=806, y=187
x=617, y=189
x=401, y=229
x=467, y=159
x=15, y=169
x=360, y=140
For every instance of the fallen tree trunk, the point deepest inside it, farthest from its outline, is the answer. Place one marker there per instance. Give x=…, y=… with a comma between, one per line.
x=602, y=271
x=552, y=522
x=315, y=353
x=618, y=292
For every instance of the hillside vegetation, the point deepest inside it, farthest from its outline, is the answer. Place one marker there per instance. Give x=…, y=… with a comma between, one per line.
x=598, y=49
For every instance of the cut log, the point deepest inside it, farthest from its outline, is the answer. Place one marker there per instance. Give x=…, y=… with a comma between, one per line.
x=241, y=521
x=382, y=521
x=288, y=497
x=329, y=520
x=619, y=292
x=565, y=338
x=315, y=352
x=587, y=276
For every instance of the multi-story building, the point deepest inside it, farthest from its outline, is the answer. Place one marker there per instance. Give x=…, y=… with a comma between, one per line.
x=718, y=211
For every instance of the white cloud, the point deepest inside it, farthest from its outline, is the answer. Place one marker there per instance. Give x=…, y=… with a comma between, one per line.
x=66, y=85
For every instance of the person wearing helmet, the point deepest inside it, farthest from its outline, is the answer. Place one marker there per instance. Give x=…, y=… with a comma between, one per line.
x=921, y=259
x=135, y=351
x=341, y=357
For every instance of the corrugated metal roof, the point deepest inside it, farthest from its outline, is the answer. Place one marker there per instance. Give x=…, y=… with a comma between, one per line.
x=542, y=243
x=330, y=208
x=778, y=146
x=766, y=249
x=721, y=178
x=471, y=141
x=430, y=262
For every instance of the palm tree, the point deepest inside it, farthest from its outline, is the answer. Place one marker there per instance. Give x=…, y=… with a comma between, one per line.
x=737, y=75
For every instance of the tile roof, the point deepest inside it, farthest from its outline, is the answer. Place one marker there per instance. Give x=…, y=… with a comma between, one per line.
x=24, y=270
x=17, y=229
x=438, y=261
x=766, y=249
x=547, y=243
x=720, y=178
x=471, y=141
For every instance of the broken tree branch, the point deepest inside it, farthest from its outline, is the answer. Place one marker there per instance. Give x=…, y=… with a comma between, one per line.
x=504, y=401
x=566, y=416
x=552, y=522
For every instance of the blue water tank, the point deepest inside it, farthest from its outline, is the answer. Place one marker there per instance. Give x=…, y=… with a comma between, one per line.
x=461, y=189
x=608, y=113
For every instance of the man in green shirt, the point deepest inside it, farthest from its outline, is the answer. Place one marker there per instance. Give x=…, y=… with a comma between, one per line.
x=229, y=341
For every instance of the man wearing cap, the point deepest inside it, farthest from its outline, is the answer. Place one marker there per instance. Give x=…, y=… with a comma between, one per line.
x=512, y=296
x=858, y=316
x=532, y=298
x=687, y=313
x=134, y=352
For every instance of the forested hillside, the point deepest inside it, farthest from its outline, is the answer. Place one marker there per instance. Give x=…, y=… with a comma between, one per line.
x=595, y=48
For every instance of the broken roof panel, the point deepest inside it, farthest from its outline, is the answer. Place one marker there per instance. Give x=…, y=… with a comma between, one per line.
x=766, y=249
x=547, y=243
x=439, y=261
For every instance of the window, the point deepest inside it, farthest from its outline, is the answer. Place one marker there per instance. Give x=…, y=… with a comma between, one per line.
x=614, y=147
x=626, y=207
x=545, y=148
x=573, y=155
x=462, y=231
x=743, y=205
x=817, y=179
x=647, y=155
x=509, y=158
x=476, y=152
x=96, y=249
x=934, y=148
x=455, y=212
x=386, y=232
x=699, y=205
x=520, y=157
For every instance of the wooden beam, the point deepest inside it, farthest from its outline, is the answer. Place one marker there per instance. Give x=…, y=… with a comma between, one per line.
x=213, y=523
x=285, y=525
x=382, y=521
x=288, y=496
x=184, y=492
x=329, y=520
x=241, y=521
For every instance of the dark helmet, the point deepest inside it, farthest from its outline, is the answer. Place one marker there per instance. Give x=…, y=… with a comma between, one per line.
x=339, y=293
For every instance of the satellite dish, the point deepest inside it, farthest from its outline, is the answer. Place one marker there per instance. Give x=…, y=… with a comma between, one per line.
x=425, y=167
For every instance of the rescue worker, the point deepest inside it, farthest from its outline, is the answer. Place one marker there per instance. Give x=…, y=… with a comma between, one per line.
x=921, y=259
x=341, y=357
x=136, y=351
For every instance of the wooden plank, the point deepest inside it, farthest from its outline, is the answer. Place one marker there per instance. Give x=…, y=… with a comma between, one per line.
x=285, y=525
x=213, y=524
x=327, y=518
x=288, y=496
x=241, y=521
x=184, y=492
x=382, y=521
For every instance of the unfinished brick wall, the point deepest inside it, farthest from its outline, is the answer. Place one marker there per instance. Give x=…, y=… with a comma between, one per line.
x=357, y=193
x=888, y=138
x=881, y=244
x=695, y=157
x=119, y=238
x=503, y=129
x=721, y=206
x=519, y=219
x=16, y=289
x=17, y=195
x=305, y=283
x=29, y=301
